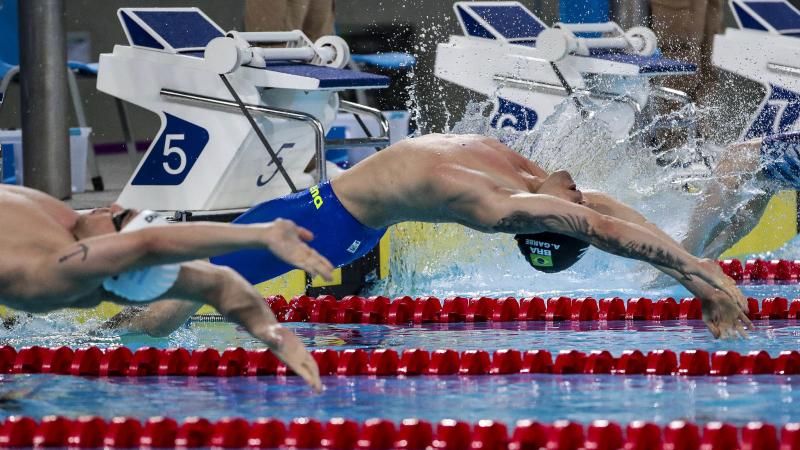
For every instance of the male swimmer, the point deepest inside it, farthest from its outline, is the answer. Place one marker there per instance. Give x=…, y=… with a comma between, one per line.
x=482, y=184
x=52, y=257
x=723, y=216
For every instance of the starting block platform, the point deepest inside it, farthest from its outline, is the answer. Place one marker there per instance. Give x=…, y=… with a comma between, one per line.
x=208, y=155
x=510, y=55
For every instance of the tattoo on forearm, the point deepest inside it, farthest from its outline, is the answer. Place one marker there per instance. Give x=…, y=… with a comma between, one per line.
x=523, y=222
x=83, y=251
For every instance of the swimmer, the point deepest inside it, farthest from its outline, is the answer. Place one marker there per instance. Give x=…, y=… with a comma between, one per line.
x=51, y=257
x=482, y=184
x=723, y=217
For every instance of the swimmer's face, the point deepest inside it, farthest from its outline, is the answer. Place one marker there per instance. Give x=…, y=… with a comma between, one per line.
x=103, y=221
x=560, y=184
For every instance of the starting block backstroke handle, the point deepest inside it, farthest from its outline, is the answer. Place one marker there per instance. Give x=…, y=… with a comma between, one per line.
x=316, y=126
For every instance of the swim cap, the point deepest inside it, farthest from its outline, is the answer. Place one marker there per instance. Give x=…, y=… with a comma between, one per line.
x=149, y=283
x=550, y=252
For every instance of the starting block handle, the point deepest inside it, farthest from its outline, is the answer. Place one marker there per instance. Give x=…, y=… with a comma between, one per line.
x=226, y=54
x=265, y=37
x=556, y=43
x=602, y=27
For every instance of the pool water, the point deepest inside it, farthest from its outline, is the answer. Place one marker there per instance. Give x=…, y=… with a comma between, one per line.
x=736, y=399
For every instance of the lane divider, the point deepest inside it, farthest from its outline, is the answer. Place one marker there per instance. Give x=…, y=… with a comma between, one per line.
x=235, y=362
x=759, y=271
x=404, y=310
x=380, y=434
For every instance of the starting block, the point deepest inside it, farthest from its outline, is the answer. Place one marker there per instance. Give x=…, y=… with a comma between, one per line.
x=240, y=124
x=766, y=49
x=508, y=54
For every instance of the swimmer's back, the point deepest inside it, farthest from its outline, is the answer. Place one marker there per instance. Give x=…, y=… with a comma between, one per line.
x=29, y=235
x=414, y=175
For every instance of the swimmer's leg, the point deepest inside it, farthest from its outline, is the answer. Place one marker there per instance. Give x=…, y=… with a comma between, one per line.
x=157, y=319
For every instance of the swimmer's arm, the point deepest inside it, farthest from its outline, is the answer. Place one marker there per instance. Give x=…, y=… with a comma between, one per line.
x=605, y=204
x=532, y=213
x=99, y=257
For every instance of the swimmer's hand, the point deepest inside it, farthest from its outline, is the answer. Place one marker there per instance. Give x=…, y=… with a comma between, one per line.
x=724, y=318
x=288, y=348
x=287, y=241
x=723, y=304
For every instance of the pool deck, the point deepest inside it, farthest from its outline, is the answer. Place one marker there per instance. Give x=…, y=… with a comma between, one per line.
x=116, y=169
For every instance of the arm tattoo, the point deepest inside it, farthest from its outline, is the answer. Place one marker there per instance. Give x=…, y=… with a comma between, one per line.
x=581, y=228
x=523, y=222
x=82, y=250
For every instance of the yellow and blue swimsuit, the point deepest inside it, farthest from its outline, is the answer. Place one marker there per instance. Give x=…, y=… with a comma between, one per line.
x=338, y=236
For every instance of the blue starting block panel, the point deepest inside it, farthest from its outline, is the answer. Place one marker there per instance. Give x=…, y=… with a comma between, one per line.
x=332, y=78
x=776, y=16
x=505, y=21
x=172, y=30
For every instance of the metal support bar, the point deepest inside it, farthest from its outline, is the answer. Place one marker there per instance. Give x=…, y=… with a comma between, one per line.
x=125, y=124
x=355, y=108
x=43, y=86
x=671, y=94
x=274, y=156
x=315, y=124
x=786, y=70
x=91, y=162
x=555, y=89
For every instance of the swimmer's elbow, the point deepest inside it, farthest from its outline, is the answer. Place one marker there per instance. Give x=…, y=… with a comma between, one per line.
x=602, y=226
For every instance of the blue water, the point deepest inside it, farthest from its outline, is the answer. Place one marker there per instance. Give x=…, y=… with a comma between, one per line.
x=735, y=399
x=582, y=398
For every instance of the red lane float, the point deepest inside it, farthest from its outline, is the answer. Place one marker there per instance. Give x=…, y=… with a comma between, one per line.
x=762, y=271
x=405, y=310
x=236, y=362
x=380, y=434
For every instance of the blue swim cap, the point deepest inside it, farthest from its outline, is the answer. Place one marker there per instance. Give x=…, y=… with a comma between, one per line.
x=551, y=252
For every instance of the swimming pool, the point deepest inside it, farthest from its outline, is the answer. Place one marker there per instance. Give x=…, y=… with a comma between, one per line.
x=661, y=399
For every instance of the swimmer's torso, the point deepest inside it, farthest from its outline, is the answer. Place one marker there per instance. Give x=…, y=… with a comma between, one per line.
x=417, y=179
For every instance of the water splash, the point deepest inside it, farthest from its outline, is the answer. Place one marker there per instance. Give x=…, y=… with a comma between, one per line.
x=666, y=185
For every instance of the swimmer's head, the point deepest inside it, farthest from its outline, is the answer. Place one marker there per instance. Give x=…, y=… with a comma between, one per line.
x=560, y=184
x=103, y=221
x=551, y=252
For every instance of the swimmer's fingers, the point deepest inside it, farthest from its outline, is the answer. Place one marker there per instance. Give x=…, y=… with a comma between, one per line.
x=741, y=331
x=746, y=320
x=304, y=234
x=319, y=265
x=714, y=329
x=288, y=348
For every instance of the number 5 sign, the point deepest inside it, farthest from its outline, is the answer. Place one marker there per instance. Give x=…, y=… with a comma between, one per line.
x=173, y=154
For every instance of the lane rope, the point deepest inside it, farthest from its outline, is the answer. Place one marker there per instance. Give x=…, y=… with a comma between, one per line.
x=380, y=310
x=238, y=362
x=380, y=434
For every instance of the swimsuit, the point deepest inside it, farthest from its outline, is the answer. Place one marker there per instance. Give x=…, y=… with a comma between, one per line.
x=338, y=236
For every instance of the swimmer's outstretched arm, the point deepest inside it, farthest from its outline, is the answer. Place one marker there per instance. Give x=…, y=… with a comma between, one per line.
x=532, y=213
x=94, y=259
x=237, y=300
x=605, y=204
